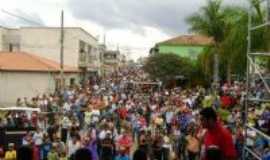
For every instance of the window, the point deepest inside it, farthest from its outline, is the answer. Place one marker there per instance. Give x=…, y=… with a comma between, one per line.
x=82, y=51
x=81, y=46
x=10, y=47
x=72, y=81
x=89, y=49
x=90, y=52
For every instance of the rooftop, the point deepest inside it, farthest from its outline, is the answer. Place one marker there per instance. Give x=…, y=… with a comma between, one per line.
x=22, y=61
x=189, y=40
x=45, y=27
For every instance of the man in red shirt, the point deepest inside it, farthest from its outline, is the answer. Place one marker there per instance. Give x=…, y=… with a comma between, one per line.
x=123, y=113
x=226, y=101
x=218, y=142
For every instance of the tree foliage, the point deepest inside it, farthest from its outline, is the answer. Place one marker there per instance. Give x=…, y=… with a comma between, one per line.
x=209, y=21
x=228, y=25
x=167, y=67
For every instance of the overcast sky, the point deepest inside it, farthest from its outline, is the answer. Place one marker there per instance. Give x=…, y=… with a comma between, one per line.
x=134, y=25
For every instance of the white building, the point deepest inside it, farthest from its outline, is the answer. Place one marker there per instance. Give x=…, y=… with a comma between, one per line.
x=111, y=61
x=80, y=47
x=26, y=75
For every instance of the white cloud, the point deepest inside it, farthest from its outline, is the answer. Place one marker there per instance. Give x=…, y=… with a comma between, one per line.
x=136, y=25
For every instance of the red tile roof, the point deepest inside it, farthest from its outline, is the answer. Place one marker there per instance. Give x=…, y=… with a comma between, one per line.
x=21, y=61
x=189, y=40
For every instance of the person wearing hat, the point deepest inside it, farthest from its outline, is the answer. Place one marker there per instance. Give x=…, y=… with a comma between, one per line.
x=11, y=154
x=217, y=135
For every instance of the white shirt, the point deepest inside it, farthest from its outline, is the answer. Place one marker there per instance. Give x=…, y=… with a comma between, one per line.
x=96, y=87
x=169, y=116
x=38, y=138
x=66, y=107
x=102, y=134
x=72, y=148
x=66, y=122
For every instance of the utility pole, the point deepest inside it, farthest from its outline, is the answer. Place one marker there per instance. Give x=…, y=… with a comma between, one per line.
x=62, y=52
x=104, y=39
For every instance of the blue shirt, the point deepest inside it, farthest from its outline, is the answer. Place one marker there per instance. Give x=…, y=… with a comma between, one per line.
x=44, y=151
x=122, y=157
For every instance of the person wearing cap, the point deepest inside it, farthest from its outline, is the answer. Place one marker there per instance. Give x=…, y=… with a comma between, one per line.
x=11, y=154
x=217, y=140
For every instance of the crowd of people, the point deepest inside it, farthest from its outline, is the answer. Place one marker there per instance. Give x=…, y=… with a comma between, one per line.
x=114, y=118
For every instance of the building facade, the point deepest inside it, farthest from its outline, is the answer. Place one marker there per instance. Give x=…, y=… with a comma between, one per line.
x=189, y=46
x=111, y=61
x=80, y=47
x=29, y=76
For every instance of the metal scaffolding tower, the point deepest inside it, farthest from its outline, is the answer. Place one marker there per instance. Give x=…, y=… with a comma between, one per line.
x=254, y=72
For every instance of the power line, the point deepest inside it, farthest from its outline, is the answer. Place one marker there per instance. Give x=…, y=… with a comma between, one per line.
x=125, y=48
x=30, y=21
x=21, y=17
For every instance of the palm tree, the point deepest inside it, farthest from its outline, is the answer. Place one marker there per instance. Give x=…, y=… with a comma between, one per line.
x=209, y=21
x=234, y=46
x=228, y=27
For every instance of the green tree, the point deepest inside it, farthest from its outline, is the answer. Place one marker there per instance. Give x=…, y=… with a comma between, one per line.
x=228, y=26
x=234, y=46
x=205, y=64
x=209, y=21
x=166, y=67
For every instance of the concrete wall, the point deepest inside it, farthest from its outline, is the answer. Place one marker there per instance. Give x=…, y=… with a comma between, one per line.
x=45, y=42
x=27, y=84
x=2, y=32
x=9, y=37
